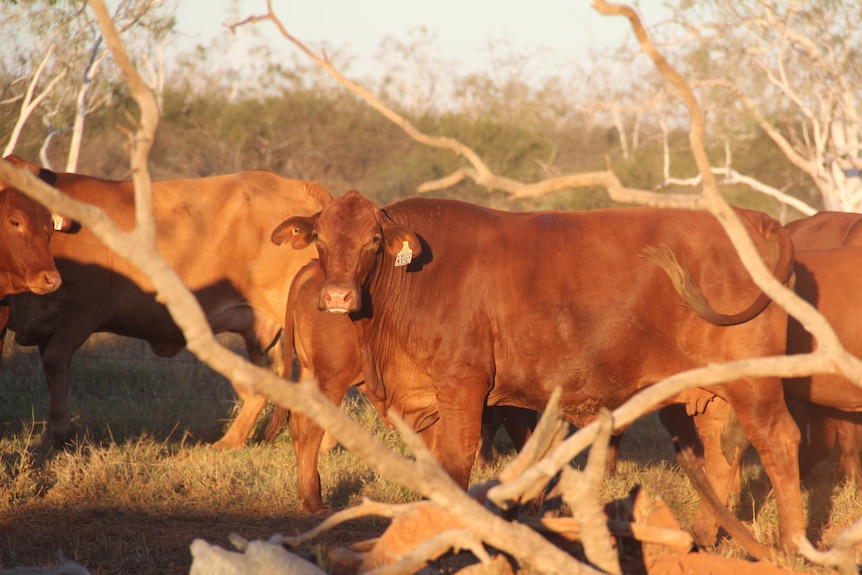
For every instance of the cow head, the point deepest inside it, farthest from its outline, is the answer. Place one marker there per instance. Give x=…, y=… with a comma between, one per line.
x=26, y=262
x=353, y=238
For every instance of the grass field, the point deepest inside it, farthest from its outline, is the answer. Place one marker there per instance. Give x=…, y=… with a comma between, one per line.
x=142, y=483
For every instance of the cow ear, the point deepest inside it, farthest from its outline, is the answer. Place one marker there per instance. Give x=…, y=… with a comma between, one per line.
x=400, y=242
x=19, y=163
x=62, y=223
x=296, y=230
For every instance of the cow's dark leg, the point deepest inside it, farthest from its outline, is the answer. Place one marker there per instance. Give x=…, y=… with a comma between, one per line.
x=56, y=355
x=765, y=419
x=519, y=424
x=848, y=435
x=4, y=322
x=818, y=435
x=491, y=423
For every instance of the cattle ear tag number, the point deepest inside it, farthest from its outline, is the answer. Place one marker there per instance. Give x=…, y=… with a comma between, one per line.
x=58, y=221
x=405, y=256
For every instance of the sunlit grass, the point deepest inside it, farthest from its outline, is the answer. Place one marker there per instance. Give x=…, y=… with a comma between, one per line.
x=144, y=447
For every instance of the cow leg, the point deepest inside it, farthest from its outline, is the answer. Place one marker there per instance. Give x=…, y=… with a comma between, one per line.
x=4, y=322
x=56, y=356
x=307, y=437
x=519, y=424
x=252, y=403
x=848, y=434
x=718, y=444
x=818, y=434
x=461, y=403
x=491, y=423
x=769, y=426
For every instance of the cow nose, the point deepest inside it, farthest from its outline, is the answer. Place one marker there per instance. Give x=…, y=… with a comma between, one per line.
x=336, y=299
x=50, y=281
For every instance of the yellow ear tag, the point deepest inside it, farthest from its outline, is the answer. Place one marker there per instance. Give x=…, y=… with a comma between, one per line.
x=405, y=256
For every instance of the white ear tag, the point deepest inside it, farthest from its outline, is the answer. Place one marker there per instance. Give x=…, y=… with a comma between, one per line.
x=58, y=221
x=405, y=256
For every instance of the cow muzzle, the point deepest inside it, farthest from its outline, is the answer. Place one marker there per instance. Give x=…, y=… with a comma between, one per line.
x=338, y=299
x=45, y=283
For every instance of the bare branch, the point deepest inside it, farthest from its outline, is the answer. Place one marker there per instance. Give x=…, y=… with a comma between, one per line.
x=581, y=492
x=364, y=509
x=29, y=104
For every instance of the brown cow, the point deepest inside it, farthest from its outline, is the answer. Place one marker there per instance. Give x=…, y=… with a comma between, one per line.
x=828, y=279
x=824, y=230
x=327, y=352
x=213, y=232
x=824, y=429
x=26, y=228
x=827, y=257
x=457, y=306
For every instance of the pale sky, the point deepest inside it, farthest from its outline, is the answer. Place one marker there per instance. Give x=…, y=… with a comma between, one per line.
x=463, y=28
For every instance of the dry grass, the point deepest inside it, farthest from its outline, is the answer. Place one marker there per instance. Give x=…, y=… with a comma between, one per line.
x=142, y=483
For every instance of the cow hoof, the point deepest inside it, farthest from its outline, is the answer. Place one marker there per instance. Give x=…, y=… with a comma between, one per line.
x=58, y=438
x=704, y=529
x=315, y=507
x=225, y=443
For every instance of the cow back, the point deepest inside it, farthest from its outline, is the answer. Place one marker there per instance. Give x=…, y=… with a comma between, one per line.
x=825, y=230
x=560, y=298
x=214, y=233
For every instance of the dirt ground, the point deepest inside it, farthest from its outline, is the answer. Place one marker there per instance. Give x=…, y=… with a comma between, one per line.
x=140, y=543
x=148, y=543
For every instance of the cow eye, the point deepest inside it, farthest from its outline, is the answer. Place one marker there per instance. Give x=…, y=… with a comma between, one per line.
x=14, y=223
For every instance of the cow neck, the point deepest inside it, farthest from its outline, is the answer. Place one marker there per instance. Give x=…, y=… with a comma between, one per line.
x=385, y=279
x=371, y=375
x=363, y=324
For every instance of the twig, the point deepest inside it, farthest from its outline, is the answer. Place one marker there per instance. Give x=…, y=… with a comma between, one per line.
x=707, y=494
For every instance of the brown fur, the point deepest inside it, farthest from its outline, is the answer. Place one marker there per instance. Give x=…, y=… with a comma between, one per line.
x=212, y=231
x=501, y=307
x=26, y=229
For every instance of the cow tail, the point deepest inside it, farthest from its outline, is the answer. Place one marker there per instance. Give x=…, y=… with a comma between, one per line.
x=684, y=284
x=279, y=418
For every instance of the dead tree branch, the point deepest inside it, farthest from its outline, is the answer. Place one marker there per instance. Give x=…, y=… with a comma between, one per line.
x=423, y=474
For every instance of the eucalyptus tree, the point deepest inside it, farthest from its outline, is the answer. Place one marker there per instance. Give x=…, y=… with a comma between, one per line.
x=51, y=65
x=790, y=69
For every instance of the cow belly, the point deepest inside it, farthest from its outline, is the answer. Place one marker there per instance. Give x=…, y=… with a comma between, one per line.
x=825, y=389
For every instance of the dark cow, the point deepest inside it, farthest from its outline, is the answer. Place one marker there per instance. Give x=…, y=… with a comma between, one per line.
x=213, y=232
x=456, y=306
x=26, y=228
x=326, y=351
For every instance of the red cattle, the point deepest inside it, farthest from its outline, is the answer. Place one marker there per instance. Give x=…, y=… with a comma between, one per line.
x=327, y=353
x=213, y=232
x=457, y=306
x=824, y=230
x=827, y=267
x=828, y=253
x=26, y=228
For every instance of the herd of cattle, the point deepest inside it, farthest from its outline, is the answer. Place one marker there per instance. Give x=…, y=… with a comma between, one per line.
x=450, y=314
